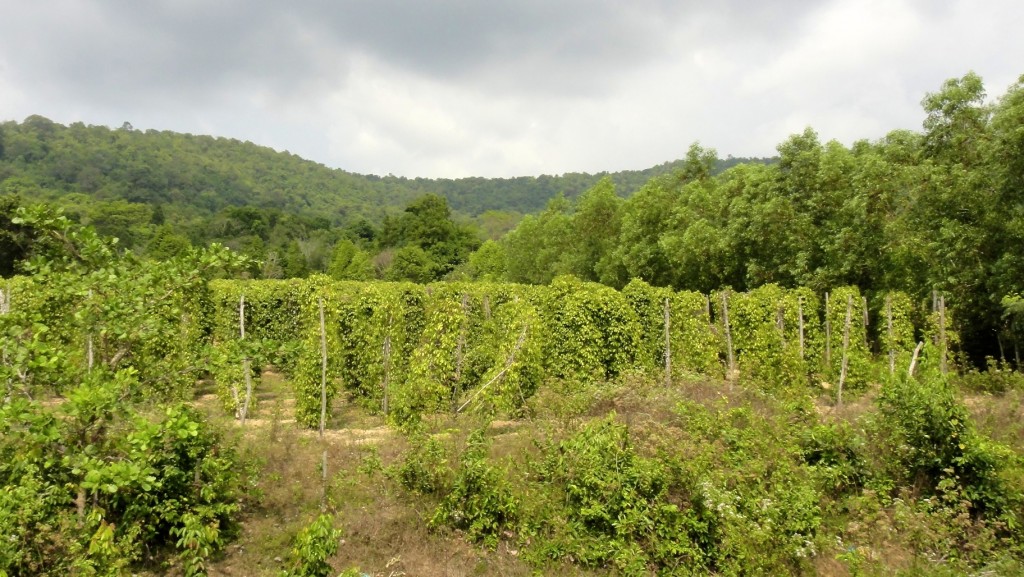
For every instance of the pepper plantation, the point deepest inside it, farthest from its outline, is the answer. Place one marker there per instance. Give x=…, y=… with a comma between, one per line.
x=157, y=419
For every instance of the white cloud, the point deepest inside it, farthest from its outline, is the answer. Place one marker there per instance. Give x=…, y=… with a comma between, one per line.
x=460, y=88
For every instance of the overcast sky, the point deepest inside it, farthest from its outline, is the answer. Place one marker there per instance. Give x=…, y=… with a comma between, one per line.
x=492, y=88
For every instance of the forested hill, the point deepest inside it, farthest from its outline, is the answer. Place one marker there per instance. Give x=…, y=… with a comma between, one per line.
x=198, y=176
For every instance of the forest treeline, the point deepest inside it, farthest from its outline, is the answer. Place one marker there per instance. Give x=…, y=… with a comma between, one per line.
x=939, y=210
x=160, y=191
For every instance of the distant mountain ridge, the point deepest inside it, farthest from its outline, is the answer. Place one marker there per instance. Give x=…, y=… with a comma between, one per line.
x=198, y=176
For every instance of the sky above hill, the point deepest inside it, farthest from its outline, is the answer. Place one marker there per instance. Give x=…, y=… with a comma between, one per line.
x=452, y=88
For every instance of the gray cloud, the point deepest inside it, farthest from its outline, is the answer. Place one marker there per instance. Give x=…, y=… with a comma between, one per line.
x=458, y=87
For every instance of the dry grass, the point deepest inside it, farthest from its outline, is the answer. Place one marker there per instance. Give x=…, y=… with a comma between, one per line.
x=385, y=526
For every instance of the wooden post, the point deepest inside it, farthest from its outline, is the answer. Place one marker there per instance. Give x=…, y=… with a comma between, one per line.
x=246, y=368
x=866, y=321
x=462, y=341
x=5, y=309
x=846, y=349
x=668, y=345
x=828, y=336
x=501, y=374
x=387, y=364
x=88, y=343
x=892, y=348
x=943, y=347
x=780, y=324
x=800, y=313
x=728, y=336
x=913, y=359
x=323, y=405
x=323, y=370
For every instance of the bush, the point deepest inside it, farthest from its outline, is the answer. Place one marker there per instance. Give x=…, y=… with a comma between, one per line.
x=91, y=485
x=480, y=501
x=314, y=545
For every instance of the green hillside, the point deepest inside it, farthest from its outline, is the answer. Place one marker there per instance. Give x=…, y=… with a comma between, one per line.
x=198, y=176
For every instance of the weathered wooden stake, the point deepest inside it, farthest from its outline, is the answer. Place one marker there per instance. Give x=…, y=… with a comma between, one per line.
x=88, y=343
x=892, y=347
x=828, y=335
x=246, y=368
x=668, y=345
x=866, y=320
x=780, y=325
x=943, y=366
x=323, y=370
x=800, y=313
x=846, y=347
x=462, y=339
x=728, y=337
x=387, y=364
x=913, y=359
x=323, y=405
x=5, y=308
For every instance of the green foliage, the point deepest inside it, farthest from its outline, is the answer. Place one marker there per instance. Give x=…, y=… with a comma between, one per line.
x=834, y=454
x=86, y=307
x=591, y=330
x=480, y=501
x=315, y=382
x=693, y=342
x=424, y=468
x=92, y=485
x=612, y=507
x=842, y=301
x=897, y=339
x=348, y=262
x=766, y=325
x=997, y=378
x=434, y=371
x=378, y=327
x=489, y=262
x=314, y=545
x=512, y=354
x=932, y=443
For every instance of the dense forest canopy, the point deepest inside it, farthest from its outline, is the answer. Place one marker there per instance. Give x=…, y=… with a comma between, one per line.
x=940, y=210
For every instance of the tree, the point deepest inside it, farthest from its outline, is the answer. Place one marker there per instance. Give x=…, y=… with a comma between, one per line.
x=595, y=234
x=489, y=262
x=348, y=262
x=412, y=263
x=955, y=128
x=538, y=247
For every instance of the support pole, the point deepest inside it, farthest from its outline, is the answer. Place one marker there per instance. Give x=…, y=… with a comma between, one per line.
x=323, y=406
x=913, y=359
x=828, y=335
x=668, y=345
x=943, y=344
x=246, y=368
x=728, y=337
x=323, y=370
x=889, y=332
x=800, y=313
x=846, y=347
